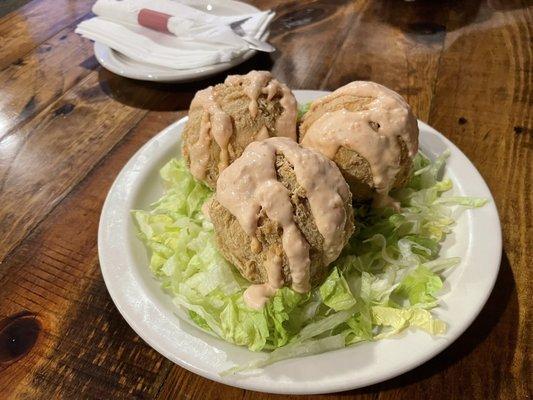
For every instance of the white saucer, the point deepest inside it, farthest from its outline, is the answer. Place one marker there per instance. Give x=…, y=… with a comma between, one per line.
x=125, y=66
x=151, y=313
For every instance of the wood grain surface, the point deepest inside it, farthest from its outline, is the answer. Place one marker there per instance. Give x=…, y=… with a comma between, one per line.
x=67, y=127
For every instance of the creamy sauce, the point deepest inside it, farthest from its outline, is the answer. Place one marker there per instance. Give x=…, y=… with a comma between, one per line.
x=199, y=152
x=258, y=80
x=373, y=132
x=286, y=122
x=256, y=296
x=250, y=185
x=262, y=82
x=218, y=125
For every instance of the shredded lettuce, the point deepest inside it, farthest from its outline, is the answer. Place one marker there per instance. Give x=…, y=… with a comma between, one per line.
x=297, y=349
x=387, y=278
x=335, y=292
x=302, y=110
x=400, y=318
x=420, y=287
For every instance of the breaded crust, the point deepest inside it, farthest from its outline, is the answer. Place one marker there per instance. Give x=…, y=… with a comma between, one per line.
x=236, y=246
x=355, y=168
x=234, y=102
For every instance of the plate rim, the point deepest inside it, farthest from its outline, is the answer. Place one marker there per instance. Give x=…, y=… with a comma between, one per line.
x=134, y=324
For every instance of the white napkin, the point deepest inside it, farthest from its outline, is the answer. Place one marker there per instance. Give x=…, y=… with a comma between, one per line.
x=199, y=39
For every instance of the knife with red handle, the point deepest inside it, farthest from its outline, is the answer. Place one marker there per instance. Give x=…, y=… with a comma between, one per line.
x=155, y=20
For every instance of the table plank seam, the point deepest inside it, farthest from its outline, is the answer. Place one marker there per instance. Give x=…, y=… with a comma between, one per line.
x=435, y=80
x=323, y=85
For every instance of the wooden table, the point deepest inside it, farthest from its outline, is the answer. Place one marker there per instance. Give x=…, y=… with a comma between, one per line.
x=67, y=127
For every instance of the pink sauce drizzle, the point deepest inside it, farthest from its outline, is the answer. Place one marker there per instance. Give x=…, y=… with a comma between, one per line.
x=250, y=185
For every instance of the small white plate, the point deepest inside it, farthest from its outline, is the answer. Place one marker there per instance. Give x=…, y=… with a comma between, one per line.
x=151, y=313
x=122, y=65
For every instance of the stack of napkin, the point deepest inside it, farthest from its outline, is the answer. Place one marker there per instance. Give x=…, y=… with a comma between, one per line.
x=194, y=38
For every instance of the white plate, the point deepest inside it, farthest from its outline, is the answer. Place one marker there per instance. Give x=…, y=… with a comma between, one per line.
x=150, y=312
x=124, y=66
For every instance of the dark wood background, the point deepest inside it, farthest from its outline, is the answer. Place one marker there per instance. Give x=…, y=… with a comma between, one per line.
x=67, y=127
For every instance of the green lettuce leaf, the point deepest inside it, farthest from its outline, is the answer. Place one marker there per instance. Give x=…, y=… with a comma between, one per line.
x=387, y=278
x=400, y=318
x=420, y=287
x=335, y=292
x=303, y=109
x=297, y=349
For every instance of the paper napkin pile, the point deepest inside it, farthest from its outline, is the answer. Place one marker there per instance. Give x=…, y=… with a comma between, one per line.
x=194, y=39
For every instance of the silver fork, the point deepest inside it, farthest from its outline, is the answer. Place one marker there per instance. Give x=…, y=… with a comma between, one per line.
x=253, y=43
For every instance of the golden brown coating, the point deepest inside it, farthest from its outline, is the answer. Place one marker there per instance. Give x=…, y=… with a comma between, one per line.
x=358, y=98
x=236, y=246
x=233, y=101
x=356, y=171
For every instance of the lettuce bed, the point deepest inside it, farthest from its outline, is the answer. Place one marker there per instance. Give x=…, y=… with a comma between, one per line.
x=387, y=279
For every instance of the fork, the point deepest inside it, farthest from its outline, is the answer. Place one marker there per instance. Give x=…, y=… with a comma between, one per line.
x=253, y=43
x=158, y=21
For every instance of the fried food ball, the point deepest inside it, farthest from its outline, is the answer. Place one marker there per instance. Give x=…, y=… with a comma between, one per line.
x=251, y=253
x=225, y=118
x=369, y=131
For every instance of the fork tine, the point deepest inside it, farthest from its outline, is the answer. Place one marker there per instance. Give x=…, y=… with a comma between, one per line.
x=237, y=24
